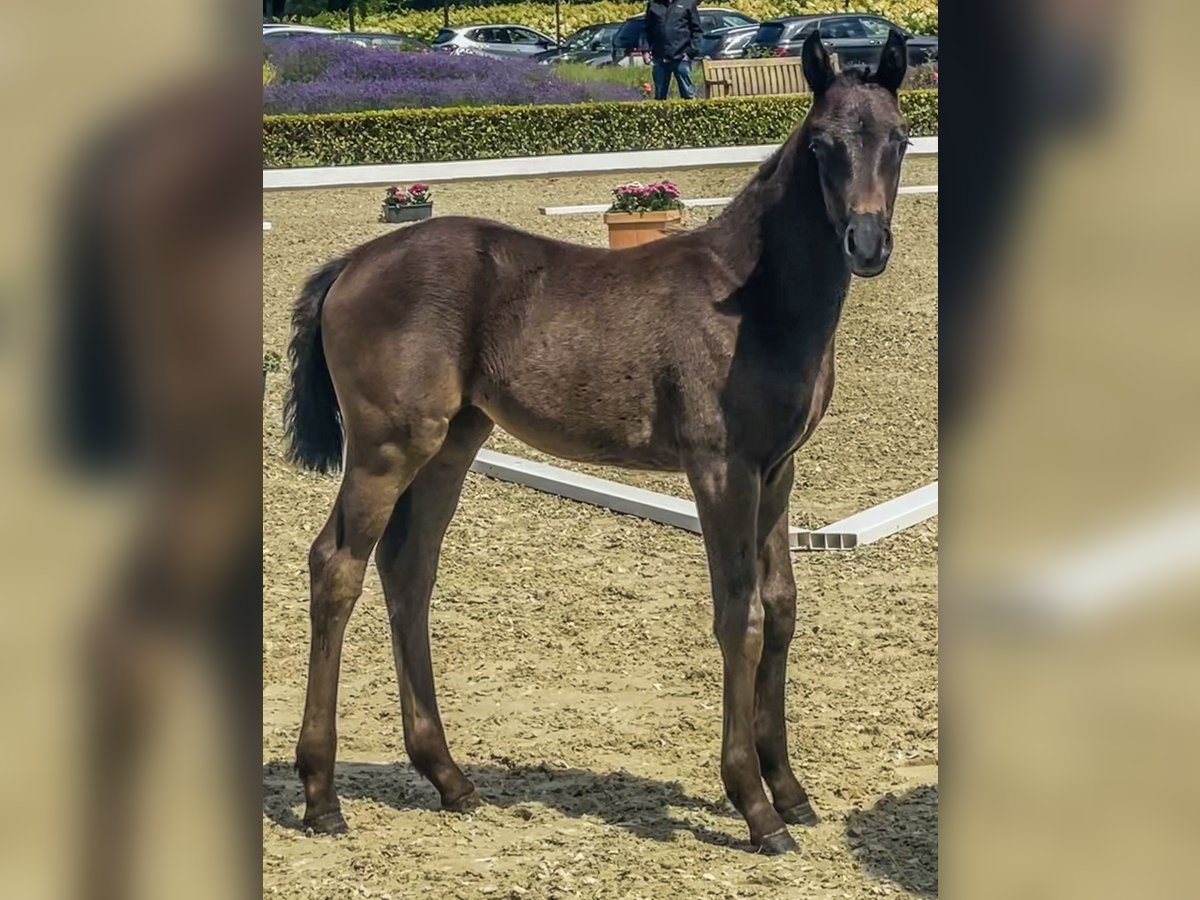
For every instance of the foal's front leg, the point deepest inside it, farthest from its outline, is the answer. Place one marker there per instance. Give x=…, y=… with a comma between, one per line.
x=777, y=587
x=727, y=499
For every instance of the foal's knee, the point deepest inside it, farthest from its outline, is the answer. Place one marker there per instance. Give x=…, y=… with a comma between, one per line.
x=779, y=604
x=739, y=622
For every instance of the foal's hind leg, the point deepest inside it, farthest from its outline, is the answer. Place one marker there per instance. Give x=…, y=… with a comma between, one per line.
x=407, y=558
x=377, y=473
x=777, y=585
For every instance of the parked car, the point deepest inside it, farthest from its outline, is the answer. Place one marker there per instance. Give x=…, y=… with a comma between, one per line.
x=275, y=26
x=858, y=40
x=401, y=43
x=727, y=43
x=631, y=36
x=277, y=33
x=499, y=41
x=587, y=45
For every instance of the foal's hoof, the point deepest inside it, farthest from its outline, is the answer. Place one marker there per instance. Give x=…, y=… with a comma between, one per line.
x=778, y=844
x=326, y=823
x=801, y=814
x=464, y=804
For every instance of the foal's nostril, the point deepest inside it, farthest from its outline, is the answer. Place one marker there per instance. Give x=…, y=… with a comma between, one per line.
x=851, y=247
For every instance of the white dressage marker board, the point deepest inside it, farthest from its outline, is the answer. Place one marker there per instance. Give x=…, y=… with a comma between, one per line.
x=856, y=531
x=873, y=524
x=911, y=190
x=524, y=166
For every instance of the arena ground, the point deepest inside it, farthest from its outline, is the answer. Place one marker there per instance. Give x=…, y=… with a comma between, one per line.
x=578, y=676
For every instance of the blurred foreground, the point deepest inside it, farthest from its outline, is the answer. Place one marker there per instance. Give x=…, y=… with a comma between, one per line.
x=132, y=647
x=1071, y=472
x=129, y=391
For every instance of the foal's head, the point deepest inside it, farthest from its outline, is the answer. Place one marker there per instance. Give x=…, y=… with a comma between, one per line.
x=858, y=137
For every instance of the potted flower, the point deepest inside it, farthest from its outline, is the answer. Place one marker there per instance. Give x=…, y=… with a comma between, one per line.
x=642, y=213
x=407, y=204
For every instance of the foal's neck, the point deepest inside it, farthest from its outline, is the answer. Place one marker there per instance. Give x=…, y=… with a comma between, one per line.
x=780, y=248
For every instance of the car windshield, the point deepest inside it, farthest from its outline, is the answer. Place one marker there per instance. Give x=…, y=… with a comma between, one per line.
x=711, y=21
x=443, y=36
x=602, y=39
x=769, y=33
x=580, y=39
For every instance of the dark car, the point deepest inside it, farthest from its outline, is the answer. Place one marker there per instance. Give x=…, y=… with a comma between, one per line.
x=727, y=43
x=585, y=45
x=631, y=36
x=858, y=40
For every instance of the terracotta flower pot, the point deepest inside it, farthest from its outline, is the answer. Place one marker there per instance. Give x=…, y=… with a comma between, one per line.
x=634, y=229
x=413, y=213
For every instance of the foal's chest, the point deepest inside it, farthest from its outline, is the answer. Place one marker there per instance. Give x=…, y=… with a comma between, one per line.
x=803, y=409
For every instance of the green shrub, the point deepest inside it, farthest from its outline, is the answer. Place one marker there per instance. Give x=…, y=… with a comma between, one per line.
x=920, y=16
x=439, y=135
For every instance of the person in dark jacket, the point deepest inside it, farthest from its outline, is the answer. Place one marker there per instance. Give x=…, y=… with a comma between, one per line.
x=673, y=36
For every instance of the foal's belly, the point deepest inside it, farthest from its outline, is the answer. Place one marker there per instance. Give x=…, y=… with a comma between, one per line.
x=597, y=432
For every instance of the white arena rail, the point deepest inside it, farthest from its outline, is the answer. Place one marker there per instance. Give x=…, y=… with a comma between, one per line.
x=527, y=166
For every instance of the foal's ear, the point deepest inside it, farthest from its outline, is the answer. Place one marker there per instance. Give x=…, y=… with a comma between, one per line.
x=818, y=69
x=893, y=64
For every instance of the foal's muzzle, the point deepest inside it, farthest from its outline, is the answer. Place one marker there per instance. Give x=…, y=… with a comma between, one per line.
x=867, y=244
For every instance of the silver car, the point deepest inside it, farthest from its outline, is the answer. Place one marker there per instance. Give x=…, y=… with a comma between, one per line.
x=499, y=41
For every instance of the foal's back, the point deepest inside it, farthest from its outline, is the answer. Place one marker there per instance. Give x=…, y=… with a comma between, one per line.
x=582, y=352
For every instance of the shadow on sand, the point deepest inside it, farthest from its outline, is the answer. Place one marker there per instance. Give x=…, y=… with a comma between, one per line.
x=897, y=839
x=643, y=806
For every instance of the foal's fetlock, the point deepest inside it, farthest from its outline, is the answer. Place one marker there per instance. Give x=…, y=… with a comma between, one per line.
x=800, y=814
x=777, y=844
x=792, y=802
x=463, y=803
x=329, y=822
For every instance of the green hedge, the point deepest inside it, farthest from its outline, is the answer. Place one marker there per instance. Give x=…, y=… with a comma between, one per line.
x=490, y=132
x=920, y=16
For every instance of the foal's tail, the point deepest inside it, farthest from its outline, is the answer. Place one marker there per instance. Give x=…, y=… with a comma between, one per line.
x=311, y=416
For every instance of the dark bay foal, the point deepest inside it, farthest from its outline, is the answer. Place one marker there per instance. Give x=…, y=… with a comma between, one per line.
x=709, y=352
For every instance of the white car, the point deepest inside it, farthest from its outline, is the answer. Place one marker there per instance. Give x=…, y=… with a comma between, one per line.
x=278, y=27
x=499, y=41
x=278, y=35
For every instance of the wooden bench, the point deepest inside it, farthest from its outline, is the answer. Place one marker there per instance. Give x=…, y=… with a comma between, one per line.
x=753, y=77
x=768, y=76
